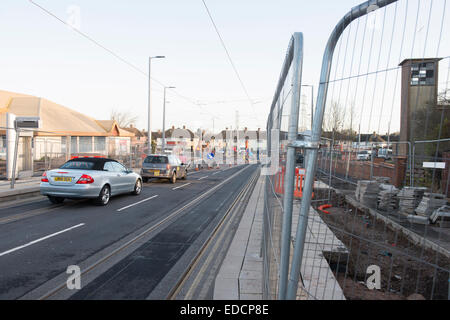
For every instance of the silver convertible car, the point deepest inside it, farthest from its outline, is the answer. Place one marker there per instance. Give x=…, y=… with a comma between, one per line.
x=89, y=177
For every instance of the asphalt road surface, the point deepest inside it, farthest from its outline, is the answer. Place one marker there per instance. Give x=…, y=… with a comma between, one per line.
x=136, y=247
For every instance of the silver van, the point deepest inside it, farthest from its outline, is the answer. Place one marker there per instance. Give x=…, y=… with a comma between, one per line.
x=163, y=167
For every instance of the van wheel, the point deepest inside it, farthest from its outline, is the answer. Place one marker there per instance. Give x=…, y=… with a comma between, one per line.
x=55, y=200
x=103, y=197
x=173, y=179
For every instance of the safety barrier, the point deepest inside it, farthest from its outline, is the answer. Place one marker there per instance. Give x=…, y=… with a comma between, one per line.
x=299, y=181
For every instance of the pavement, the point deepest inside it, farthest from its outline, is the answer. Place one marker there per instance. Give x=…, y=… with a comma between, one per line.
x=241, y=274
x=124, y=250
x=23, y=189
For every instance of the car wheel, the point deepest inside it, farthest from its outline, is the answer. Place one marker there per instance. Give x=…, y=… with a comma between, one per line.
x=145, y=180
x=185, y=175
x=55, y=200
x=173, y=179
x=103, y=197
x=137, y=187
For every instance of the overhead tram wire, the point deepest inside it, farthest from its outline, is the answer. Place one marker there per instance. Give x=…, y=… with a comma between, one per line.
x=84, y=35
x=231, y=62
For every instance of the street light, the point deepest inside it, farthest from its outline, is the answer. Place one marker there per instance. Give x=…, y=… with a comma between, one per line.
x=163, y=147
x=149, y=127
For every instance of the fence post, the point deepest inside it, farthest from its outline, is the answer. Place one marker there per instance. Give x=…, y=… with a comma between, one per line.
x=297, y=42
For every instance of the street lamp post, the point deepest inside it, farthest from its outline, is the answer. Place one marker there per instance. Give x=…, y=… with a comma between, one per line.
x=163, y=147
x=312, y=101
x=149, y=127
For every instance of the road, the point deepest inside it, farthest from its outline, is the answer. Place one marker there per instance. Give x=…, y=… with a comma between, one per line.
x=136, y=247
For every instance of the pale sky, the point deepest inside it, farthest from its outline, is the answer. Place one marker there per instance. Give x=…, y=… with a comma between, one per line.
x=43, y=57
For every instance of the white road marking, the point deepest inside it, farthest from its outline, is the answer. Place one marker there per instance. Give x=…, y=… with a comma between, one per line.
x=203, y=178
x=216, y=172
x=195, y=172
x=184, y=185
x=41, y=239
x=134, y=204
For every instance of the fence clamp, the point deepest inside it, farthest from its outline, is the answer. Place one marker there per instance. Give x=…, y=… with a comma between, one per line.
x=302, y=144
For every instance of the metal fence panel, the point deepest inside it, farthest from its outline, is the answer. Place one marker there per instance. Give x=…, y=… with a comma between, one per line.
x=282, y=128
x=379, y=157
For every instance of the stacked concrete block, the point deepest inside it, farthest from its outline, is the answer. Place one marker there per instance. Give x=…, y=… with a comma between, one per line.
x=387, y=198
x=409, y=199
x=441, y=216
x=430, y=202
x=367, y=192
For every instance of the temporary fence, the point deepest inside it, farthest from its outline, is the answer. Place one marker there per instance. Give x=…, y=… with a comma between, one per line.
x=282, y=176
x=376, y=160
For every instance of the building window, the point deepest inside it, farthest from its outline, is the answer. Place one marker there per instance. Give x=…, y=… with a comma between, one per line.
x=422, y=74
x=99, y=144
x=85, y=144
x=74, y=144
x=63, y=144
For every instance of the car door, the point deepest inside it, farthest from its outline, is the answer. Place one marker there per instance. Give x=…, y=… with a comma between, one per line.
x=119, y=182
x=113, y=178
x=127, y=179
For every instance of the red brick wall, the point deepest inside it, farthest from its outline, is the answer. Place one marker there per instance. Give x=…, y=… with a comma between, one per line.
x=360, y=170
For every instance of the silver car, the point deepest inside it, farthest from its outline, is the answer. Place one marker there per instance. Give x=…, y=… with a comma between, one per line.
x=163, y=166
x=89, y=177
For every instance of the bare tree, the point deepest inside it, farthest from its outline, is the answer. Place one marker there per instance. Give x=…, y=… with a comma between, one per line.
x=334, y=118
x=123, y=119
x=444, y=97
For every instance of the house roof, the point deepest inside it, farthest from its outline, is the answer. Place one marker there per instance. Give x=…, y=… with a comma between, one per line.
x=113, y=128
x=242, y=134
x=169, y=132
x=136, y=132
x=419, y=60
x=55, y=118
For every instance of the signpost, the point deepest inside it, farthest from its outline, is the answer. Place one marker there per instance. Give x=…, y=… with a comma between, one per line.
x=21, y=123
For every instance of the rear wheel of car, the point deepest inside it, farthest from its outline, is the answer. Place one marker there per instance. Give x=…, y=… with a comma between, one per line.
x=173, y=179
x=103, y=197
x=137, y=187
x=55, y=200
x=185, y=175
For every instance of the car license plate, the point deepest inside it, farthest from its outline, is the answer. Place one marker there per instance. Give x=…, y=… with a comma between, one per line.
x=156, y=172
x=63, y=179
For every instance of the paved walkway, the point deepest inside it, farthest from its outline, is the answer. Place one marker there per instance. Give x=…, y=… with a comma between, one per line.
x=241, y=274
x=22, y=183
